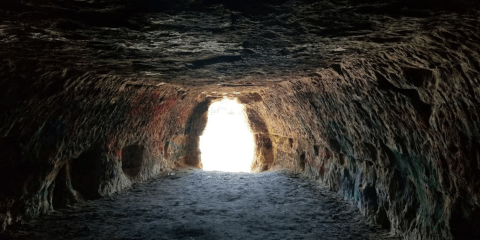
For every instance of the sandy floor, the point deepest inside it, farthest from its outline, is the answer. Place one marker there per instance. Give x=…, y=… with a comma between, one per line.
x=196, y=204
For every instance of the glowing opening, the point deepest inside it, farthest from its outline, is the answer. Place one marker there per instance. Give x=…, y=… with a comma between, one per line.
x=227, y=141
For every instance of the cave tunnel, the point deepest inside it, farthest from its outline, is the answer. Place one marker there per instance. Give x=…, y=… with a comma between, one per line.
x=362, y=118
x=227, y=143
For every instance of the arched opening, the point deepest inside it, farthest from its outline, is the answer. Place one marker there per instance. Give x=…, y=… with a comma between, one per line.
x=132, y=159
x=227, y=143
x=84, y=173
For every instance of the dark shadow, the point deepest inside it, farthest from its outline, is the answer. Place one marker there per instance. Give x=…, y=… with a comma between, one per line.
x=263, y=143
x=195, y=125
x=302, y=162
x=84, y=173
x=132, y=160
x=63, y=193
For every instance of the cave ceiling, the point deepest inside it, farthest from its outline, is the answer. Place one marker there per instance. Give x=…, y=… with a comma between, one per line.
x=205, y=42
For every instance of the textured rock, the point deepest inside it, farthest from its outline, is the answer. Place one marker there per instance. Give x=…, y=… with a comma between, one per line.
x=377, y=99
x=197, y=204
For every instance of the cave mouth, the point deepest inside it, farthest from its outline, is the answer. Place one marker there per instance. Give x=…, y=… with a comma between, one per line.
x=227, y=143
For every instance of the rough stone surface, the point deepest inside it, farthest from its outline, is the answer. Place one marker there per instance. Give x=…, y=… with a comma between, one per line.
x=378, y=100
x=210, y=205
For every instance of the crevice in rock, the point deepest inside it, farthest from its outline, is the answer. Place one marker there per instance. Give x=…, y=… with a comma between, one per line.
x=301, y=162
x=63, y=193
x=132, y=160
x=85, y=173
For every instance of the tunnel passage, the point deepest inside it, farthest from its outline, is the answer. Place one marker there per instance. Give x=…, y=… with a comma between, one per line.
x=196, y=204
x=132, y=160
x=227, y=142
x=197, y=124
x=381, y=97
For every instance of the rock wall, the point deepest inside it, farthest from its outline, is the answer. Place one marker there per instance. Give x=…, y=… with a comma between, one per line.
x=94, y=136
x=86, y=141
x=397, y=133
x=380, y=101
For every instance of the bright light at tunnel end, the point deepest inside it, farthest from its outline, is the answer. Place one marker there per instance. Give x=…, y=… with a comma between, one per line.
x=227, y=143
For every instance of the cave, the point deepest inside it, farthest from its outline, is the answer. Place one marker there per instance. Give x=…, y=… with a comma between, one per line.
x=362, y=118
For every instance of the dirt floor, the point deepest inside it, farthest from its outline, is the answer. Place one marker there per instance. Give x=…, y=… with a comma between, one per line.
x=195, y=204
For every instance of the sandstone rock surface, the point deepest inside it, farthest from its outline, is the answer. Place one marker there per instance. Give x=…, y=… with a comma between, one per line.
x=379, y=100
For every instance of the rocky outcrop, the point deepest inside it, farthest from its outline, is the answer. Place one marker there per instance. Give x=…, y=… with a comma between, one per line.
x=377, y=100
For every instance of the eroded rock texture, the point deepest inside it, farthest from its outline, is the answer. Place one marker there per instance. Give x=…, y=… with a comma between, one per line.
x=377, y=99
x=206, y=205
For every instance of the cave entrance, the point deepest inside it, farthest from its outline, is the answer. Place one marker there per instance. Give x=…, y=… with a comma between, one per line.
x=227, y=143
